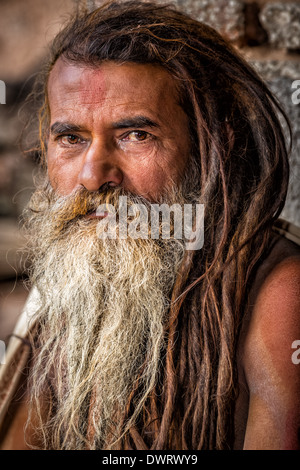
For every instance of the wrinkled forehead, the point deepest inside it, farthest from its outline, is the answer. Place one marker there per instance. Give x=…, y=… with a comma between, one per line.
x=74, y=78
x=108, y=79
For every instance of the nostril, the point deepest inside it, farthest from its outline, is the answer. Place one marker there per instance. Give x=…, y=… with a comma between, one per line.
x=107, y=185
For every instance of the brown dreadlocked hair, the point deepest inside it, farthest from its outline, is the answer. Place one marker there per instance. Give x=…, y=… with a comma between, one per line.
x=243, y=186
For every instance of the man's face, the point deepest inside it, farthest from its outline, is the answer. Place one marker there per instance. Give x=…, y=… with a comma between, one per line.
x=115, y=124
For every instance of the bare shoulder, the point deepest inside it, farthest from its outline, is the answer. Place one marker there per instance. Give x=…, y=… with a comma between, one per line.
x=272, y=375
x=275, y=318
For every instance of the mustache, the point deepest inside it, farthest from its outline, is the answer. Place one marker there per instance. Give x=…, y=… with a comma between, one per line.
x=65, y=210
x=83, y=210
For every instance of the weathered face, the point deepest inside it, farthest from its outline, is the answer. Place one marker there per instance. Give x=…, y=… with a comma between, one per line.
x=115, y=124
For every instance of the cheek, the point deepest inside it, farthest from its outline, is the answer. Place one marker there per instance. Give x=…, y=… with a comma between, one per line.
x=151, y=178
x=62, y=177
x=52, y=169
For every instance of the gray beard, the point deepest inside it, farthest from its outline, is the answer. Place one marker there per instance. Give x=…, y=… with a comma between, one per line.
x=102, y=322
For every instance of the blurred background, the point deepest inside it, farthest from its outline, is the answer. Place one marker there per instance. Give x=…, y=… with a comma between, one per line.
x=266, y=32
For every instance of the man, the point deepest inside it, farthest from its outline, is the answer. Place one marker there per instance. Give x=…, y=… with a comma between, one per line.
x=140, y=342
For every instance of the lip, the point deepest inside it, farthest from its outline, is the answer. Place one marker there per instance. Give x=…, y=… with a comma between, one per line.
x=95, y=215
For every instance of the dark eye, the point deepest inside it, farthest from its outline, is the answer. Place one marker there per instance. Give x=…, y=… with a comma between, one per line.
x=70, y=139
x=136, y=136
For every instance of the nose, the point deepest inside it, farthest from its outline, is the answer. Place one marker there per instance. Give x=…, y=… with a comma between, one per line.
x=99, y=166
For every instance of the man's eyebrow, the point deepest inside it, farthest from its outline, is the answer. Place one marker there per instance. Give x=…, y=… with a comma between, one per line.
x=134, y=122
x=61, y=127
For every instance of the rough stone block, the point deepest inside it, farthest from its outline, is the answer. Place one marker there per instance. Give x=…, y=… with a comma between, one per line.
x=226, y=16
x=282, y=22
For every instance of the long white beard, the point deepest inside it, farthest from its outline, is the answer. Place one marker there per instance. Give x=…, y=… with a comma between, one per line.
x=102, y=324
